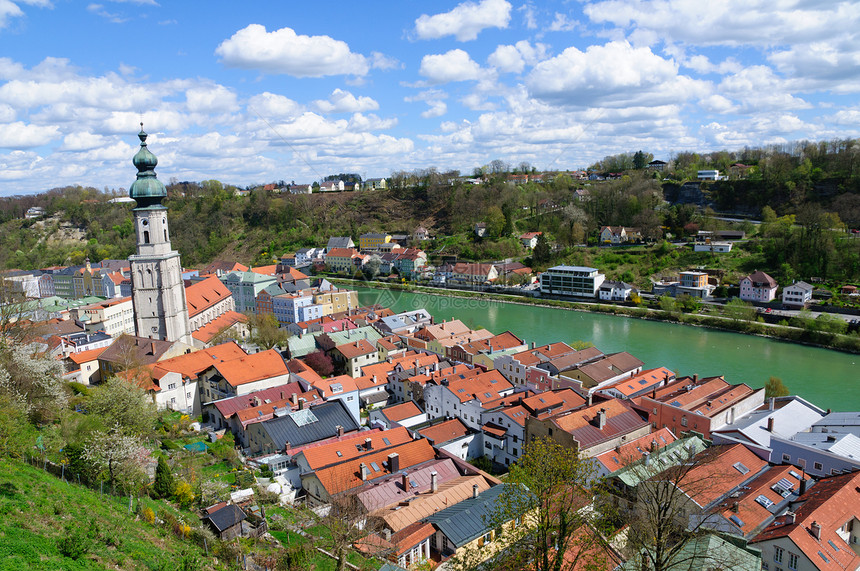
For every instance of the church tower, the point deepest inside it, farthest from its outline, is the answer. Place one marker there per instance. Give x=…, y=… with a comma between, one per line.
x=158, y=293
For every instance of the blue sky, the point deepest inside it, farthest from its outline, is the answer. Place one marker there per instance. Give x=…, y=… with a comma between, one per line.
x=255, y=92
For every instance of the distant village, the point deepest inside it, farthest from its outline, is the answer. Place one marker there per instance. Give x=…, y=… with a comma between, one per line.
x=405, y=406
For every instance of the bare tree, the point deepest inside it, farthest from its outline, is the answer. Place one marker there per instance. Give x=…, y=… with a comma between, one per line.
x=346, y=524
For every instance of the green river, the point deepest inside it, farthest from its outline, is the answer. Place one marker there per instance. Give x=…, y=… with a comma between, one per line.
x=829, y=379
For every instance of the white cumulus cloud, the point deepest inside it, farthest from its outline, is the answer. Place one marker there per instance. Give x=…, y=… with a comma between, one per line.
x=465, y=21
x=437, y=109
x=612, y=75
x=455, y=65
x=284, y=51
x=20, y=135
x=341, y=101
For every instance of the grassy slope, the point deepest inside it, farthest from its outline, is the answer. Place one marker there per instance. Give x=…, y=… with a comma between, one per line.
x=36, y=508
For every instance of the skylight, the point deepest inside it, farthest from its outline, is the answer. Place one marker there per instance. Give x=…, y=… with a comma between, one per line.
x=795, y=474
x=826, y=560
x=785, y=484
x=738, y=521
x=387, y=441
x=740, y=467
x=339, y=454
x=764, y=500
x=833, y=545
x=375, y=466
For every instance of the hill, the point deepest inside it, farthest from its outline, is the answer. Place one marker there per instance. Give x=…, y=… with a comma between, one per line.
x=51, y=524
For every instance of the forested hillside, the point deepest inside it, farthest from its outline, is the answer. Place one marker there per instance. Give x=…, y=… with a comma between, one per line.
x=807, y=193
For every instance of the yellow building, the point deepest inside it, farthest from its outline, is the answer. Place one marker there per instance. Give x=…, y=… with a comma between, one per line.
x=372, y=241
x=337, y=301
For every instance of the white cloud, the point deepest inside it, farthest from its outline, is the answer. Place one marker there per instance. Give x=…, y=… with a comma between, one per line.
x=455, y=65
x=465, y=21
x=20, y=135
x=513, y=59
x=529, y=17
x=477, y=102
x=437, y=109
x=371, y=122
x=849, y=117
x=561, y=23
x=210, y=99
x=10, y=9
x=717, y=103
x=82, y=141
x=730, y=22
x=702, y=64
x=274, y=107
x=7, y=113
x=284, y=51
x=381, y=61
x=757, y=88
x=615, y=74
x=113, y=17
x=345, y=102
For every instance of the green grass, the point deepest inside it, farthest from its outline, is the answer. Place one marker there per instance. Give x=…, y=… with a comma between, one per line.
x=40, y=515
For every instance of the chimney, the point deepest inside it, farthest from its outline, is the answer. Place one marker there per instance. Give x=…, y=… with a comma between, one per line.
x=790, y=517
x=404, y=480
x=695, y=378
x=600, y=419
x=362, y=468
x=736, y=506
x=283, y=396
x=339, y=431
x=618, y=449
x=374, y=379
x=301, y=404
x=434, y=482
x=815, y=529
x=368, y=444
x=589, y=399
x=475, y=490
x=804, y=485
x=256, y=401
x=770, y=403
x=295, y=399
x=394, y=462
x=533, y=345
x=770, y=424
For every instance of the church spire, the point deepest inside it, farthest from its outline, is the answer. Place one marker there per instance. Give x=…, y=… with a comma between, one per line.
x=147, y=190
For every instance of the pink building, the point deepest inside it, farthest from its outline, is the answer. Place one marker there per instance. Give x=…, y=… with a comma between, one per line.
x=758, y=286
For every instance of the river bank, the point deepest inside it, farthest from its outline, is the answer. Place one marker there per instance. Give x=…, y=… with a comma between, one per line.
x=822, y=339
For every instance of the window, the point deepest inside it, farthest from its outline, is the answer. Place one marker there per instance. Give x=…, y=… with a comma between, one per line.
x=777, y=554
x=683, y=421
x=817, y=466
x=764, y=566
x=792, y=560
x=786, y=457
x=171, y=386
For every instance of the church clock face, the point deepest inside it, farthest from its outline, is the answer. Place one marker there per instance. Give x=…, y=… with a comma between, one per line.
x=144, y=222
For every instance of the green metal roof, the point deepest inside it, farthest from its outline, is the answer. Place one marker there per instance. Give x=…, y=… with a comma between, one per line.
x=147, y=190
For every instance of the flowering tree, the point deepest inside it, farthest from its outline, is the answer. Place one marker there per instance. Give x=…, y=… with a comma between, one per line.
x=120, y=457
x=31, y=380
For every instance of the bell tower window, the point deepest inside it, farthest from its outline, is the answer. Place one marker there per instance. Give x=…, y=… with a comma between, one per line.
x=146, y=236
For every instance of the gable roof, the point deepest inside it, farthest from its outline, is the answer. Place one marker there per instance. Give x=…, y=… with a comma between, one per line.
x=226, y=517
x=356, y=349
x=830, y=503
x=207, y=332
x=620, y=419
x=446, y=431
x=309, y=424
x=760, y=279
x=634, y=450
x=641, y=382
x=347, y=475
x=192, y=364
x=202, y=295
x=135, y=350
x=402, y=411
x=250, y=368
x=230, y=406
x=467, y=520
x=484, y=387
x=352, y=445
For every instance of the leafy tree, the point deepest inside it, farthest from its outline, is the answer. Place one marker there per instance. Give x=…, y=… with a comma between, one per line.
x=371, y=269
x=184, y=494
x=320, y=362
x=542, y=252
x=739, y=310
x=668, y=303
x=774, y=387
x=266, y=331
x=123, y=405
x=495, y=219
x=689, y=303
x=164, y=482
x=579, y=344
x=542, y=512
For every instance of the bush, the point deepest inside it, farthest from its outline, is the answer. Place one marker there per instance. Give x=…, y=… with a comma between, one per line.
x=75, y=542
x=296, y=557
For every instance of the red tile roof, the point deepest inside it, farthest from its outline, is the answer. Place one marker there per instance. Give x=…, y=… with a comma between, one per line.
x=85, y=356
x=719, y=472
x=642, y=381
x=202, y=295
x=356, y=349
x=483, y=387
x=224, y=321
x=445, y=431
x=251, y=368
x=265, y=270
x=230, y=406
x=619, y=457
x=347, y=475
x=831, y=503
x=353, y=445
x=329, y=386
x=402, y=411
x=192, y=364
